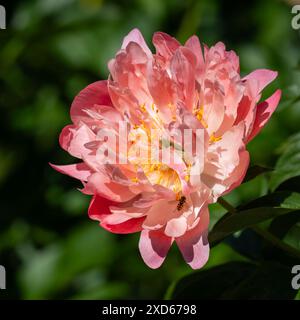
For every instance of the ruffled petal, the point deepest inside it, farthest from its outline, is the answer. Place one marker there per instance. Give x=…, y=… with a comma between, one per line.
x=88, y=99
x=78, y=137
x=194, y=45
x=176, y=227
x=66, y=136
x=79, y=171
x=182, y=67
x=154, y=246
x=129, y=226
x=263, y=77
x=155, y=219
x=99, y=209
x=223, y=156
x=194, y=244
x=100, y=184
x=238, y=174
x=164, y=44
x=263, y=113
x=136, y=37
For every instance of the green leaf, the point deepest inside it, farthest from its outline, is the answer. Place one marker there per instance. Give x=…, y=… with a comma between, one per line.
x=278, y=199
x=198, y=285
x=255, y=212
x=44, y=272
x=237, y=280
x=281, y=225
x=104, y=292
x=240, y=220
x=293, y=237
x=287, y=165
x=269, y=281
x=292, y=184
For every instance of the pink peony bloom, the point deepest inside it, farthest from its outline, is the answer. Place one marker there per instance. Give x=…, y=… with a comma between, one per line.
x=179, y=87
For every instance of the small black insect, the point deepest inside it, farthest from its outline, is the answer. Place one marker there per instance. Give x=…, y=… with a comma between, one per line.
x=181, y=203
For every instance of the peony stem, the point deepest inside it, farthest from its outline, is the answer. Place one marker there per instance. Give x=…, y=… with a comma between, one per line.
x=268, y=236
x=226, y=205
x=276, y=241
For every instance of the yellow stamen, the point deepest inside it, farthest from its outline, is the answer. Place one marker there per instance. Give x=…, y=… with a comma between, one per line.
x=143, y=107
x=162, y=175
x=173, y=110
x=188, y=170
x=213, y=138
x=199, y=114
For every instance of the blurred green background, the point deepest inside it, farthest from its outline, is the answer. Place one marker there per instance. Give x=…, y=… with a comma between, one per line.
x=50, y=51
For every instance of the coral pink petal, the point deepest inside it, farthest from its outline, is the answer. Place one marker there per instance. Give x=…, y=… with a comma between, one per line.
x=263, y=77
x=193, y=43
x=136, y=37
x=99, y=207
x=66, y=136
x=100, y=184
x=79, y=171
x=80, y=136
x=182, y=67
x=94, y=94
x=224, y=155
x=160, y=87
x=154, y=246
x=176, y=227
x=129, y=226
x=129, y=211
x=263, y=113
x=247, y=106
x=238, y=174
x=155, y=219
x=115, y=218
x=194, y=243
x=164, y=44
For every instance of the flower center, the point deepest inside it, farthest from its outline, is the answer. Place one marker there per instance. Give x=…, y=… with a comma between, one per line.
x=141, y=153
x=163, y=175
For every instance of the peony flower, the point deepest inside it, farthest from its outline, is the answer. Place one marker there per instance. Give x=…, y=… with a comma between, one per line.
x=179, y=95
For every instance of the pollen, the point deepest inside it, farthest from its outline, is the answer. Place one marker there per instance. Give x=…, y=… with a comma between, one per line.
x=188, y=171
x=199, y=115
x=213, y=138
x=143, y=107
